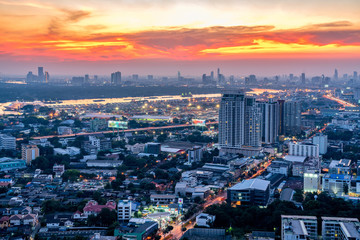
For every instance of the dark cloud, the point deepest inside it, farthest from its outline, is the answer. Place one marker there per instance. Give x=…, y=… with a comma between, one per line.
x=59, y=25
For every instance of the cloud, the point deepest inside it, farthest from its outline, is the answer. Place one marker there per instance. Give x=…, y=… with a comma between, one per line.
x=59, y=25
x=67, y=40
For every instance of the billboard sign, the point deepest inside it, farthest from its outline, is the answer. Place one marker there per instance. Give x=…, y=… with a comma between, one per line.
x=118, y=124
x=180, y=201
x=199, y=122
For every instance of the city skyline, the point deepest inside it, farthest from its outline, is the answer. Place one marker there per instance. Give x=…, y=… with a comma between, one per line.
x=237, y=36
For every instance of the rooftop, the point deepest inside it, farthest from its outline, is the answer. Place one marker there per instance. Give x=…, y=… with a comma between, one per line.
x=255, y=183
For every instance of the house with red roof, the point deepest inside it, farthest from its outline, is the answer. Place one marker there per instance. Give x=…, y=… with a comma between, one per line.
x=93, y=208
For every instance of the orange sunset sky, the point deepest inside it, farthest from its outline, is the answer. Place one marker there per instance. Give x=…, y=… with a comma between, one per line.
x=163, y=36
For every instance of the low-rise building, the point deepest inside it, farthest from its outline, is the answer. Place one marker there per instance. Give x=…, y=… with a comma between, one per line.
x=93, y=208
x=304, y=149
x=63, y=130
x=124, y=210
x=249, y=192
x=138, y=231
x=71, y=151
x=336, y=184
x=340, y=167
x=162, y=198
x=298, y=227
x=334, y=228
x=9, y=164
x=195, y=154
x=7, y=142
x=205, y=220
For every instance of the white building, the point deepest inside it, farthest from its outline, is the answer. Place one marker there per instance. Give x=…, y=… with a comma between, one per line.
x=7, y=142
x=311, y=181
x=334, y=228
x=239, y=121
x=58, y=169
x=322, y=141
x=63, y=130
x=104, y=163
x=124, y=210
x=72, y=151
x=95, y=142
x=298, y=227
x=162, y=198
x=304, y=149
x=195, y=154
x=270, y=121
x=204, y=220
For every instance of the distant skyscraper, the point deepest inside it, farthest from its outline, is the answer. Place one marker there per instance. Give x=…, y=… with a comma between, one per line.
x=212, y=75
x=270, y=121
x=47, y=77
x=220, y=78
x=135, y=77
x=115, y=78
x=355, y=76
x=179, y=76
x=150, y=77
x=87, y=79
x=231, y=80
x=336, y=75
x=291, y=76
x=30, y=77
x=303, y=79
x=41, y=76
x=239, y=121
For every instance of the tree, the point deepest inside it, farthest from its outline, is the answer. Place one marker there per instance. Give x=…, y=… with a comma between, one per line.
x=71, y=174
x=162, y=137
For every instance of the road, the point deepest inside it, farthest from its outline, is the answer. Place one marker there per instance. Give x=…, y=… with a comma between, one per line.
x=125, y=130
x=338, y=100
x=190, y=223
x=219, y=199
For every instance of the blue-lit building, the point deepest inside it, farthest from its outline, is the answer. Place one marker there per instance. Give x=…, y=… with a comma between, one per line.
x=8, y=164
x=336, y=184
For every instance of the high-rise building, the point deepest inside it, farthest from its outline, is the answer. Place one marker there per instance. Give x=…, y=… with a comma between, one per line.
x=251, y=80
x=355, y=76
x=270, y=121
x=87, y=79
x=336, y=75
x=239, y=121
x=29, y=153
x=47, y=77
x=150, y=77
x=322, y=141
x=116, y=78
x=135, y=77
x=30, y=77
x=291, y=117
x=303, y=79
x=281, y=117
x=41, y=76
